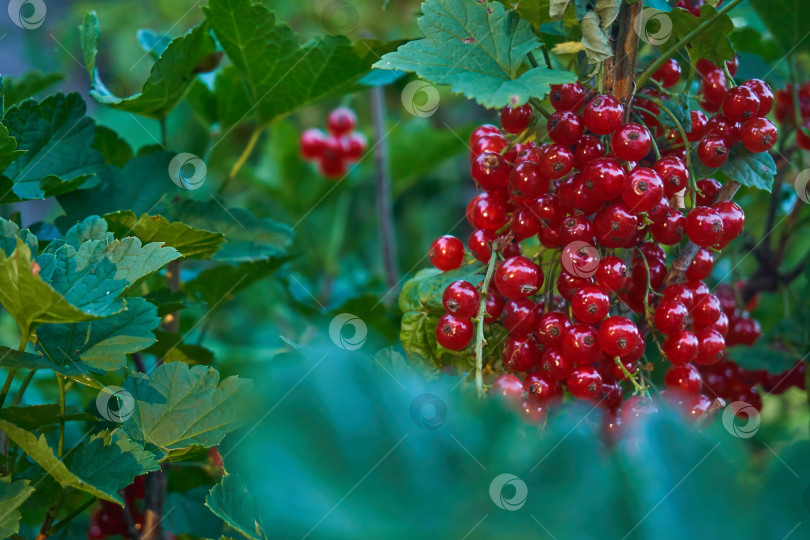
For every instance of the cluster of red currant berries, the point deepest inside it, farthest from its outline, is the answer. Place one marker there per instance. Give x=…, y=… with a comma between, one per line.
x=109, y=519
x=336, y=150
x=594, y=189
x=785, y=112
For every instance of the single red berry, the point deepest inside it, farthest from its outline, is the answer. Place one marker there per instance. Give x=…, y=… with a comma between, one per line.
x=635, y=410
x=332, y=161
x=550, y=328
x=714, y=87
x=590, y=304
x=763, y=92
x=680, y=347
x=109, y=518
x=708, y=189
x=698, y=126
x=508, y=387
x=341, y=121
x=670, y=316
x=520, y=353
x=743, y=331
x=446, y=253
x=453, y=332
x=670, y=231
x=614, y=225
x=584, y=382
x=491, y=171
x=575, y=228
x=712, y=151
x=726, y=128
x=567, y=97
x=526, y=182
x=495, y=305
x=580, y=344
x=527, y=152
x=733, y=220
x=532, y=412
x=642, y=190
x=548, y=210
x=556, y=364
x=758, y=134
x=565, y=127
x=588, y=148
x=313, y=143
x=701, y=266
x=550, y=237
x=567, y=284
x=516, y=119
x=479, y=243
x=482, y=131
x=611, y=273
x=740, y=103
x=618, y=336
x=711, y=346
x=354, y=146
x=631, y=142
x=461, y=299
x=660, y=211
x=520, y=316
x=704, y=226
x=540, y=386
x=706, y=311
x=518, y=277
x=684, y=378
x=673, y=173
x=603, y=114
x=524, y=224
x=668, y=74
x=556, y=161
x=487, y=211
x=605, y=177
x=681, y=293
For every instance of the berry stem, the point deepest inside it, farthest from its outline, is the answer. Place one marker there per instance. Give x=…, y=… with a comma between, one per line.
x=383, y=181
x=479, y=321
x=61, y=383
x=669, y=53
x=243, y=157
x=639, y=388
x=70, y=517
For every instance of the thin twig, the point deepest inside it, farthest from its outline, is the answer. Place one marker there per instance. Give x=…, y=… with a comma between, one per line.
x=383, y=180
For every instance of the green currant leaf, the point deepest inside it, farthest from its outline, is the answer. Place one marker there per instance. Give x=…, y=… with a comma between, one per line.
x=203, y=100
x=678, y=105
x=171, y=74
x=231, y=501
x=30, y=83
x=181, y=406
x=785, y=20
x=477, y=49
x=13, y=359
x=12, y=496
x=223, y=282
x=280, y=74
x=745, y=167
x=762, y=356
x=190, y=515
x=170, y=347
x=713, y=44
x=32, y=417
x=8, y=148
x=536, y=12
x=102, y=344
x=57, y=139
x=192, y=243
x=424, y=291
x=116, y=151
x=100, y=466
x=151, y=42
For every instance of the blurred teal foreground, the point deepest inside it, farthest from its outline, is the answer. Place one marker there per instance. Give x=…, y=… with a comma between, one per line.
x=350, y=446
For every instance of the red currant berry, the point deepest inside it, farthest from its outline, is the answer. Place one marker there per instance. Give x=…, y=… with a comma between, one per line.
x=532, y=412
x=526, y=182
x=516, y=120
x=714, y=87
x=524, y=224
x=618, y=336
x=698, y=126
x=551, y=327
x=614, y=225
x=495, y=305
x=556, y=161
x=631, y=142
x=461, y=299
x=565, y=127
x=453, y=332
x=567, y=284
x=567, y=97
x=673, y=173
x=683, y=378
x=575, y=228
x=354, y=145
x=508, y=387
x=556, y=364
x=670, y=316
x=313, y=143
x=540, y=386
x=671, y=230
x=681, y=293
x=590, y=304
x=740, y=103
x=712, y=151
x=758, y=134
x=446, y=253
x=482, y=131
x=520, y=316
x=341, y=121
x=711, y=346
x=704, y=226
x=479, y=243
x=486, y=211
x=584, y=382
x=603, y=114
x=668, y=74
x=605, y=177
x=706, y=311
x=708, y=189
x=580, y=345
x=635, y=410
x=763, y=92
x=642, y=190
x=680, y=347
x=520, y=353
x=491, y=171
x=518, y=277
x=733, y=220
x=701, y=266
x=611, y=273
x=588, y=148
x=726, y=128
x=548, y=210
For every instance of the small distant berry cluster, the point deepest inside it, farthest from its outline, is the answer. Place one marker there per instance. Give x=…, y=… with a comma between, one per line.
x=336, y=150
x=109, y=519
x=604, y=196
x=785, y=111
